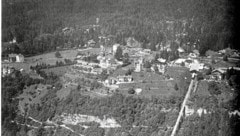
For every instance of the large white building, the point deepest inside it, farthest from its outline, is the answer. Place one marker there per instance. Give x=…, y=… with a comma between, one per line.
x=115, y=46
x=139, y=65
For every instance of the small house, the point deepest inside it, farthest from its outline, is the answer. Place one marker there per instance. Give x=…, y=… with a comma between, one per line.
x=7, y=70
x=91, y=43
x=196, y=67
x=218, y=74
x=188, y=111
x=180, y=50
x=138, y=90
x=124, y=79
x=115, y=46
x=108, y=62
x=19, y=58
x=13, y=41
x=132, y=42
x=160, y=67
x=15, y=57
x=138, y=64
x=161, y=60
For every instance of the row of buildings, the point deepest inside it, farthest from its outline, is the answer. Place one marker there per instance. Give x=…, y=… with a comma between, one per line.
x=13, y=58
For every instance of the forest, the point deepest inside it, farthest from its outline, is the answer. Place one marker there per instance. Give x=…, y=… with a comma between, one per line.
x=37, y=24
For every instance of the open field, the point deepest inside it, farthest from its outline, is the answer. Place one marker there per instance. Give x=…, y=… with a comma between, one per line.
x=90, y=51
x=202, y=89
x=58, y=70
x=160, y=89
x=147, y=77
x=152, y=84
x=176, y=72
x=48, y=58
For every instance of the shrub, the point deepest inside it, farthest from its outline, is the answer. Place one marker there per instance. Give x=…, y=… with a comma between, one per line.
x=182, y=64
x=200, y=76
x=214, y=88
x=147, y=64
x=176, y=87
x=213, y=61
x=225, y=58
x=58, y=55
x=131, y=91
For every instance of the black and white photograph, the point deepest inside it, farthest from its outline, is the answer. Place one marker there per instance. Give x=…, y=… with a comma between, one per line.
x=120, y=68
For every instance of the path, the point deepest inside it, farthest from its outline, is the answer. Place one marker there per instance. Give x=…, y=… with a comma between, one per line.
x=182, y=108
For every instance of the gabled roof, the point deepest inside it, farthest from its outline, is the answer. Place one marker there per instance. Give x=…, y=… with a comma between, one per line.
x=161, y=60
x=91, y=41
x=12, y=55
x=180, y=49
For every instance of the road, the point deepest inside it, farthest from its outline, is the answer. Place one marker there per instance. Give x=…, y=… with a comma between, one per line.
x=183, y=106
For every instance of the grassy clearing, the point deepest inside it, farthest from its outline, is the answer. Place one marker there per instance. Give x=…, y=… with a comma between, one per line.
x=152, y=84
x=58, y=70
x=48, y=58
x=202, y=89
x=176, y=72
x=90, y=51
x=147, y=77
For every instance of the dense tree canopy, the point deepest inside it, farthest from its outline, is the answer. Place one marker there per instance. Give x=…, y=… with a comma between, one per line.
x=37, y=25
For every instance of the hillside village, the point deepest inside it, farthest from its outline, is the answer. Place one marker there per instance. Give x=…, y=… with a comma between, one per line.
x=120, y=63
x=105, y=69
x=127, y=73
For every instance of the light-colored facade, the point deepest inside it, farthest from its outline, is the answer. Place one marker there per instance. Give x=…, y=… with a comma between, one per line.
x=16, y=58
x=138, y=65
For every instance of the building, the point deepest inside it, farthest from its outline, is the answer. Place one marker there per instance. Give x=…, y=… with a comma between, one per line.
x=218, y=74
x=132, y=42
x=91, y=43
x=15, y=57
x=67, y=30
x=124, y=79
x=188, y=110
x=179, y=61
x=19, y=58
x=138, y=90
x=161, y=60
x=107, y=62
x=13, y=41
x=87, y=67
x=138, y=64
x=111, y=81
x=196, y=67
x=115, y=46
x=180, y=50
x=161, y=68
x=196, y=52
x=192, y=55
x=7, y=70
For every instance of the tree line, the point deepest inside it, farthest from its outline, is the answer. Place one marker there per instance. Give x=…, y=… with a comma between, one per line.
x=37, y=25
